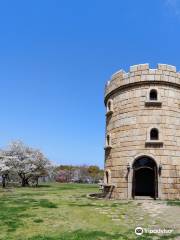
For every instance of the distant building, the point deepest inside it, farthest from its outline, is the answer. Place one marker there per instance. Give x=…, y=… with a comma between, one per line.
x=142, y=150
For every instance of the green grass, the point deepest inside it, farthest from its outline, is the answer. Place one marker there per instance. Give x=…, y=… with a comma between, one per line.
x=63, y=212
x=173, y=203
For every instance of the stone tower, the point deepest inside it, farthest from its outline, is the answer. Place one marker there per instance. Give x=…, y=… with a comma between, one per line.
x=142, y=149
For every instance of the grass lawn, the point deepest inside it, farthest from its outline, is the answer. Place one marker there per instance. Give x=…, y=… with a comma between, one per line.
x=63, y=212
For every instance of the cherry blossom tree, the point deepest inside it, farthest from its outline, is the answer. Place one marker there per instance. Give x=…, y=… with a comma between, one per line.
x=27, y=162
x=42, y=166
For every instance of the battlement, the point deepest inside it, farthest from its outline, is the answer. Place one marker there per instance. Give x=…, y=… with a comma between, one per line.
x=139, y=67
x=143, y=73
x=163, y=67
x=166, y=67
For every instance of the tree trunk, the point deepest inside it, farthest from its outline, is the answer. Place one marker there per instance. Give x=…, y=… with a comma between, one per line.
x=24, y=180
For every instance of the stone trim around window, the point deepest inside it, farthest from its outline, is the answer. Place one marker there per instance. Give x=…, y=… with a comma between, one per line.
x=108, y=142
x=109, y=107
x=153, y=102
x=153, y=142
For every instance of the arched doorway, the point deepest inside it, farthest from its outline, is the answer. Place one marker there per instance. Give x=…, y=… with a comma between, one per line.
x=145, y=182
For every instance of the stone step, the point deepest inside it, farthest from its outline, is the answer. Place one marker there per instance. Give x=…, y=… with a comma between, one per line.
x=143, y=198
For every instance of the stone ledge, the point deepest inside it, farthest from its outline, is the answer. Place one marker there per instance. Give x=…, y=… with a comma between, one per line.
x=113, y=89
x=154, y=143
x=108, y=185
x=153, y=103
x=108, y=147
x=109, y=113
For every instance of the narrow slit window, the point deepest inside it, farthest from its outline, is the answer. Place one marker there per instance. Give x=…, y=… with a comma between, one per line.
x=108, y=140
x=110, y=106
x=107, y=177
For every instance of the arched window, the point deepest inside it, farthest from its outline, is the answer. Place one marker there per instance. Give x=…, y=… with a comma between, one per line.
x=153, y=95
x=109, y=106
x=108, y=142
x=154, y=134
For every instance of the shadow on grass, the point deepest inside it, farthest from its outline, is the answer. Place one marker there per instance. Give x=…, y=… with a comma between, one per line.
x=32, y=194
x=46, y=204
x=100, y=235
x=43, y=186
x=38, y=220
x=173, y=203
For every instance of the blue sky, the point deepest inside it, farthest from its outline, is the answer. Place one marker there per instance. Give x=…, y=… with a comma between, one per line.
x=55, y=57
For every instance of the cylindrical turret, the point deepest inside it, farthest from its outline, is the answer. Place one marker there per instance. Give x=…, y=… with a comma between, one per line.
x=142, y=147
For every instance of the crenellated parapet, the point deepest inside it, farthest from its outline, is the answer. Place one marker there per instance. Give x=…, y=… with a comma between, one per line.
x=140, y=74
